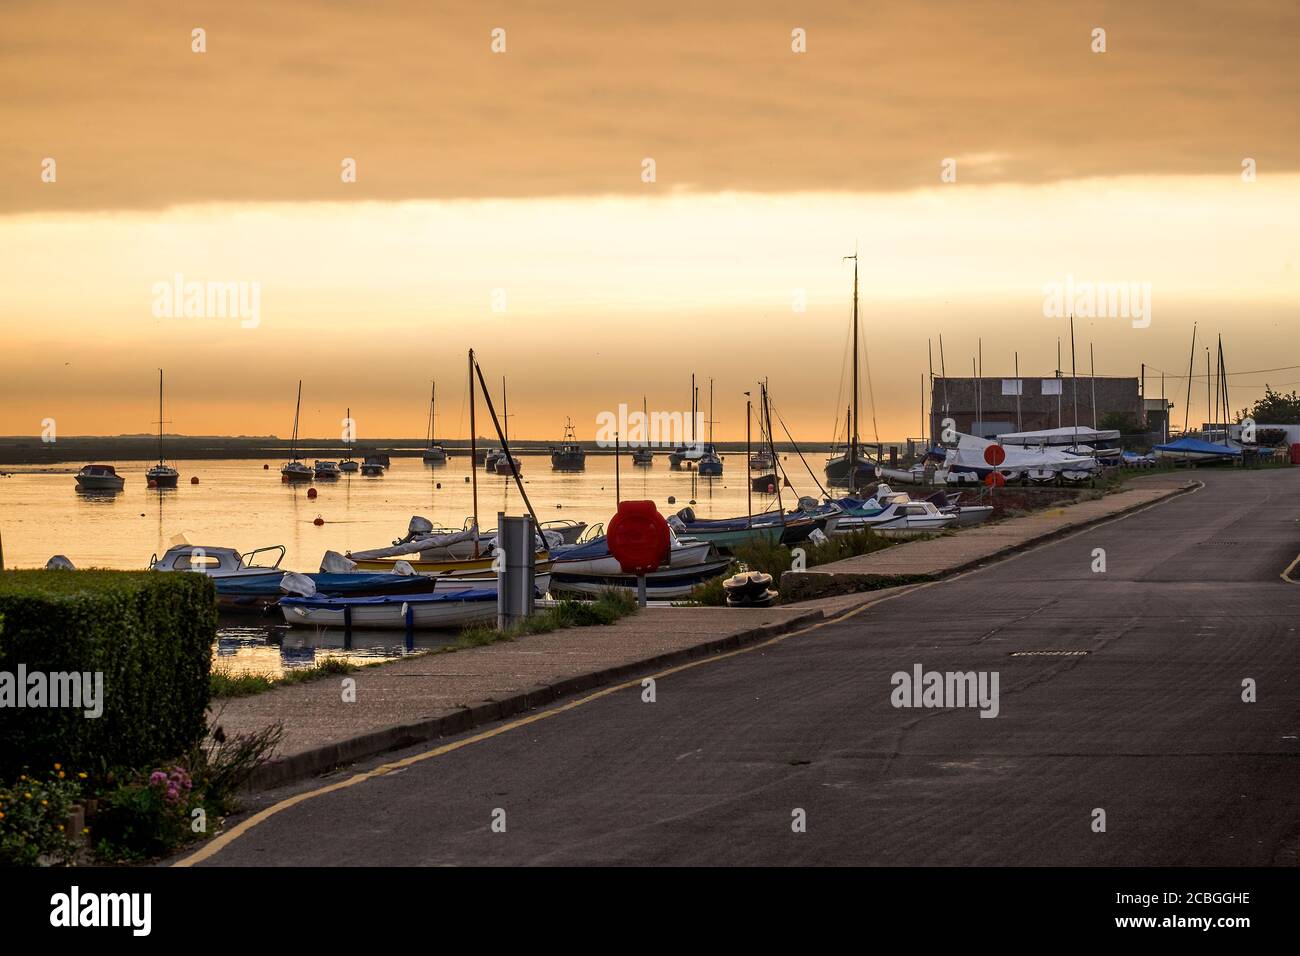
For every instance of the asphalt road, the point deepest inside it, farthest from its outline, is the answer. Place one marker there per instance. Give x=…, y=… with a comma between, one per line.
x=1148, y=725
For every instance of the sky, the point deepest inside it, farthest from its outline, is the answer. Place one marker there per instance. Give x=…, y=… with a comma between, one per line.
x=502, y=202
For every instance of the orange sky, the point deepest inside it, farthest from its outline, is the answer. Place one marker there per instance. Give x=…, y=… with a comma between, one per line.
x=521, y=172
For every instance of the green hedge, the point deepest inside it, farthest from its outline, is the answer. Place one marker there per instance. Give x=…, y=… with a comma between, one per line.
x=150, y=634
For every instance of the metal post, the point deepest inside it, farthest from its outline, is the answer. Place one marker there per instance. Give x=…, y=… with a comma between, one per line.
x=640, y=590
x=515, y=582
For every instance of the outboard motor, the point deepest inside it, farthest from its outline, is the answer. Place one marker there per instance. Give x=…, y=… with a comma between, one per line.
x=687, y=515
x=300, y=584
x=807, y=505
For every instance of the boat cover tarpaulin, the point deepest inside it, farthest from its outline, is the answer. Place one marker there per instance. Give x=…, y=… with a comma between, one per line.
x=1069, y=435
x=1195, y=446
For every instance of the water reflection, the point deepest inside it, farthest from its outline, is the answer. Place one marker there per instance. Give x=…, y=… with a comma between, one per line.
x=269, y=649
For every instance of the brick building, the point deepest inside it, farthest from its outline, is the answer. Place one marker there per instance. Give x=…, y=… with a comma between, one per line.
x=1030, y=403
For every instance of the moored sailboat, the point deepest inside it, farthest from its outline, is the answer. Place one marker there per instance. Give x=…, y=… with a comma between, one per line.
x=434, y=453
x=161, y=475
x=293, y=469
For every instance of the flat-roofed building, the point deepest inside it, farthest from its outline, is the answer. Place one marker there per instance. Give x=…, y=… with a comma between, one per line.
x=992, y=406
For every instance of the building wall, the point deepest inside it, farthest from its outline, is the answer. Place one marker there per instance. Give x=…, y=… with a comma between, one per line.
x=1038, y=407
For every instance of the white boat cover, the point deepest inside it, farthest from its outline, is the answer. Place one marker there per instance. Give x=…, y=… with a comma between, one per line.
x=335, y=563
x=1069, y=435
x=300, y=584
x=969, y=455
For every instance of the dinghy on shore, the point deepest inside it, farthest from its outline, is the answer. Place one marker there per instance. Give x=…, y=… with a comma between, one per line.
x=401, y=612
x=666, y=585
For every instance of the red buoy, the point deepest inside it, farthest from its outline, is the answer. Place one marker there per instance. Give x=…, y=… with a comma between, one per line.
x=311, y=492
x=152, y=483
x=266, y=467
x=638, y=537
x=319, y=520
x=194, y=480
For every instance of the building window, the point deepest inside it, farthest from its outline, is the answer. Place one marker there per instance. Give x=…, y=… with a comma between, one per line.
x=1051, y=386
x=1012, y=386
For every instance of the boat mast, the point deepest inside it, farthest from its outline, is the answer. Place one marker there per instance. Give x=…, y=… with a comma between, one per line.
x=293, y=442
x=160, y=416
x=749, y=482
x=853, y=430
x=1092, y=373
x=505, y=413
x=771, y=447
x=473, y=452
x=428, y=438
x=1074, y=381
x=1191, y=357
x=710, y=411
x=1223, y=374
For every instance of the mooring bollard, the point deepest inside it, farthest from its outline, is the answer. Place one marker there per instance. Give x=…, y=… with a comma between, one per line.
x=516, y=569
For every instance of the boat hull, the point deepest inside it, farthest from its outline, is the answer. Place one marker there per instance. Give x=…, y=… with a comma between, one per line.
x=100, y=482
x=393, y=613
x=660, y=585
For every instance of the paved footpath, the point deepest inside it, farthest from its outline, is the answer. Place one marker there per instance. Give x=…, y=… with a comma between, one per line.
x=1120, y=693
x=936, y=557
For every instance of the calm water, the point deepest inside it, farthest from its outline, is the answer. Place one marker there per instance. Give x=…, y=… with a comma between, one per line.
x=238, y=504
x=241, y=505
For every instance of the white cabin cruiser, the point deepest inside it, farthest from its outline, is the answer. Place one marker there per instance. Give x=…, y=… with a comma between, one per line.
x=99, y=478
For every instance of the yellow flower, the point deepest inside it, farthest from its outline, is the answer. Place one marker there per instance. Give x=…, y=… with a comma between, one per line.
x=81, y=776
x=45, y=803
x=85, y=829
x=58, y=766
x=27, y=795
x=2, y=815
x=60, y=774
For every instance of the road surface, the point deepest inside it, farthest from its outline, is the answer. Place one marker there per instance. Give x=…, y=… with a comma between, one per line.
x=1148, y=725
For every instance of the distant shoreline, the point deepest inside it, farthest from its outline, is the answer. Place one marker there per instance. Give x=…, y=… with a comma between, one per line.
x=83, y=449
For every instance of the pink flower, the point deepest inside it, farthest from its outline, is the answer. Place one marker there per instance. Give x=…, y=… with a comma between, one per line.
x=156, y=778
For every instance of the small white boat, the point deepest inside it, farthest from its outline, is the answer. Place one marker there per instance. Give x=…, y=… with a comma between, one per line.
x=373, y=467
x=502, y=465
x=327, y=469
x=900, y=519
x=99, y=478
x=402, y=612
x=348, y=465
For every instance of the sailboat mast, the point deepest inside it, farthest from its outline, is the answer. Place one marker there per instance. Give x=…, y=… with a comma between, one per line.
x=160, y=416
x=771, y=447
x=1092, y=373
x=1191, y=358
x=473, y=452
x=749, y=482
x=710, y=411
x=853, y=434
x=505, y=411
x=293, y=442
x=1074, y=380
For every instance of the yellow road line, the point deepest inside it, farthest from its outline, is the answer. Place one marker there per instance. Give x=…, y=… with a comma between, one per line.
x=220, y=842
